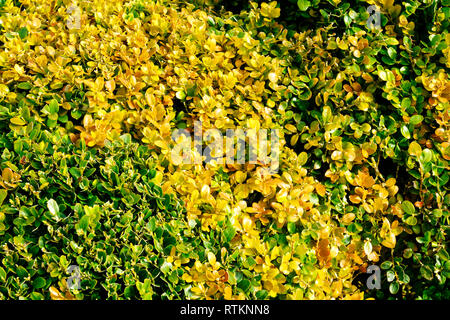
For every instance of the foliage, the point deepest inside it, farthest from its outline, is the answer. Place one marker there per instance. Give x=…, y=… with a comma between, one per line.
x=87, y=114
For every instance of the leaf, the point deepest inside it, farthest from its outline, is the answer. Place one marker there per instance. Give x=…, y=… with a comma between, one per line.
x=326, y=114
x=390, y=276
x=394, y=287
x=180, y=95
x=53, y=207
x=291, y=227
x=7, y=174
x=303, y=5
x=443, y=255
x=389, y=242
x=23, y=33
x=37, y=296
x=306, y=93
x=405, y=131
x=416, y=119
x=408, y=207
x=368, y=248
x=392, y=41
x=392, y=53
x=24, y=86
x=426, y=272
x=229, y=233
x=82, y=225
x=412, y=221
x=406, y=103
x=55, y=294
x=414, y=149
x=244, y=284
x=2, y=275
x=3, y=195
x=18, y=121
x=75, y=172
x=53, y=106
x=302, y=158
x=21, y=272
x=39, y=283
x=261, y=294
x=426, y=156
x=4, y=90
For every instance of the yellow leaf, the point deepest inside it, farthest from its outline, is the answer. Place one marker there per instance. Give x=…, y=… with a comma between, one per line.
x=205, y=191
x=240, y=176
x=7, y=174
x=291, y=128
x=414, y=149
x=390, y=241
x=18, y=121
x=348, y=218
x=273, y=77
x=367, y=247
x=4, y=90
x=110, y=85
x=320, y=189
x=211, y=258
x=55, y=294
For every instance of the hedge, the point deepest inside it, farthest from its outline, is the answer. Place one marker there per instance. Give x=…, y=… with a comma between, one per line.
x=90, y=93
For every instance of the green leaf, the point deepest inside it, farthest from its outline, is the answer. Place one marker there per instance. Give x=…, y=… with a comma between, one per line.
x=18, y=121
x=412, y=221
x=53, y=106
x=75, y=172
x=304, y=91
x=37, y=296
x=443, y=255
x=3, y=195
x=390, y=275
x=83, y=224
x=244, y=284
x=414, y=149
x=426, y=272
x=229, y=233
x=291, y=227
x=392, y=53
x=126, y=138
x=303, y=5
x=326, y=114
x=23, y=33
x=426, y=156
x=180, y=95
x=2, y=275
x=24, y=86
x=347, y=20
x=76, y=114
x=416, y=119
x=393, y=288
x=39, y=283
x=405, y=131
x=386, y=265
x=26, y=113
x=21, y=272
x=407, y=253
x=261, y=294
x=408, y=207
x=406, y=103
x=166, y=267
x=53, y=207
x=392, y=41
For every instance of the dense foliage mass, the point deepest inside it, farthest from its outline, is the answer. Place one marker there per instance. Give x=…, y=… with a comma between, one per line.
x=90, y=92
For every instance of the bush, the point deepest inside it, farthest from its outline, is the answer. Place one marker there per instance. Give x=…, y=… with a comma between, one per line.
x=91, y=94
